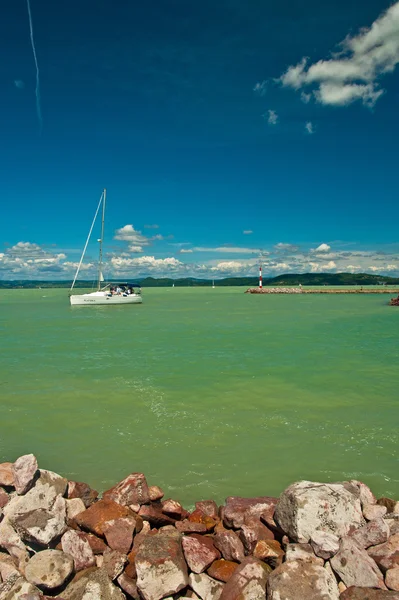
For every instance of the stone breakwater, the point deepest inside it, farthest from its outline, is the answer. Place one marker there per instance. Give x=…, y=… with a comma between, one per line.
x=317, y=541
x=298, y=290
x=394, y=301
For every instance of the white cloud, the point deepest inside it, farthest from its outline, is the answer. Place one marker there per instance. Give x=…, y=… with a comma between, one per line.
x=129, y=234
x=309, y=127
x=135, y=249
x=306, y=98
x=322, y=248
x=146, y=262
x=247, y=231
x=226, y=249
x=185, y=251
x=272, y=118
x=260, y=88
x=286, y=247
x=352, y=74
x=230, y=266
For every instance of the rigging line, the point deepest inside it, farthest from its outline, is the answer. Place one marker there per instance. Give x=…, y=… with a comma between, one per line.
x=37, y=90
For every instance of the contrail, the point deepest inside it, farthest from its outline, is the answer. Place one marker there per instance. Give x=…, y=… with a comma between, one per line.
x=37, y=91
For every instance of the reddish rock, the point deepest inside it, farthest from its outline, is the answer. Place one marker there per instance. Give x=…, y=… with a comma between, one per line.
x=114, y=563
x=252, y=532
x=25, y=469
x=4, y=498
x=392, y=579
x=98, y=515
x=301, y=581
x=386, y=555
x=269, y=551
x=79, y=549
x=96, y=544
x=130, y=568
x=7, y=474
x=131, y=490
x=173, y=508
x=361, y=593
x=78, y=489
x=230, y=546
x=389, y=503
x=208, y=507
x=154, y=515
x=366, y=496
x=199, y=552
x=373, y=533
x=119, y=533
x=198, y=516
x=248, y=582
x=355, y=567
x=160, y=564
x=128, y=585
x=302, y=553
x=237, y=509
x=393, y=525
x=187, y=526
x=138, y=539
x=222, y=569
x=155, y=493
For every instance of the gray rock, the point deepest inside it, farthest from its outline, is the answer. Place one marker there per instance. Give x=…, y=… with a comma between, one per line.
x=7, y=567
x=306, y=507
x=54, y=480
x=205, y=587
x=303, y=553
x=298, y=580
x=371, y=512
x=11, y=541
x=79, y=549
x=49, y=569
x=17, y=588
x=93, y=584
x=74, y=506
x=24, y=469
x=355, y=567
x=324, y=544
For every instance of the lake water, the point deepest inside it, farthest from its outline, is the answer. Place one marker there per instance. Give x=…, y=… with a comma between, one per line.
x=209, y=392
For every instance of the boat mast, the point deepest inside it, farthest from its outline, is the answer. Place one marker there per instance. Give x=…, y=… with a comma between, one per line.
x=100, y=260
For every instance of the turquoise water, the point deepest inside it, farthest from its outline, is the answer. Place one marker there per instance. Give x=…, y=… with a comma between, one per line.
x=209, y=392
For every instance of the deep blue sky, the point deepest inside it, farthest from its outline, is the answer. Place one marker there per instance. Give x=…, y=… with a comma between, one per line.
x=156, y=102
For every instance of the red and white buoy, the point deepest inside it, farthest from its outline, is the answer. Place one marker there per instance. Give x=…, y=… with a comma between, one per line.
x=260, y=276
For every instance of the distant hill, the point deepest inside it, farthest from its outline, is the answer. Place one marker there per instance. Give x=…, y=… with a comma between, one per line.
x=315, y=279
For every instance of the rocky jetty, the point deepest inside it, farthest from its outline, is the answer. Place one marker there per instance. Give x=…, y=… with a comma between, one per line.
x=327, y=290
x=317, y=541
x=394, y=301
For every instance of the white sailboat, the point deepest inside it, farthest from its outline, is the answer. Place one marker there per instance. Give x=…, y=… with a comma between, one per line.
x=121, y=293
x=213, y=284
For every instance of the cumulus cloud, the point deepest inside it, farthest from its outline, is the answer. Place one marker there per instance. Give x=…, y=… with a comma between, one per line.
x=27, y=260
x=230, y=266
x=322, y=248
x=135, y=249
x=226, y=249
x=309, y=127
x=272, y=117
x=286, y=247
x=146, y=262
x=129, y=234
x=353, y=73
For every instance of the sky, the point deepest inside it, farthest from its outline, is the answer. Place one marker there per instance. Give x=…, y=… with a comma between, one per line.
x=225, y=133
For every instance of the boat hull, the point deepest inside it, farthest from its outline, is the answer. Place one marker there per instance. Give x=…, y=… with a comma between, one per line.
x=99, y=298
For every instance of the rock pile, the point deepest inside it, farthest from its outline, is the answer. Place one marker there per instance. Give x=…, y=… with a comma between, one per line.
x=394, y=301
x=318, y=541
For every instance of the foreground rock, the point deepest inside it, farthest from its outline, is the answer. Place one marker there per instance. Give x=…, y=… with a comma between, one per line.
x=295, y=580
x=49, y=569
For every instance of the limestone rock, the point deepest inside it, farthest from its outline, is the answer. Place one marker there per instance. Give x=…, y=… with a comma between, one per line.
x=205, y=587
x=11, y=541
x=355, y=567
x=248, y=582
x=74, y=507
x=366, y=496
x=392, y=579
x=98, y=515
x=373, y=533
x=324, y=544
x=17, y=588
x=79, y=549
x=92, y=584
x=119, y=533
x=302, y=553
x=54, y=480
x=49, y=569
x=7, y=474
x=78, y=489
x=230, y=546
x=306, y=507
x=237, y=508
x=199, y=552
x=222, y=570
x=161, y=568
x=41, y=526
x=25, y=469
x=7, y=567
x=371, y=512
x=296, y=580
x=131, y=490
x=361, y=593
x=386, y=555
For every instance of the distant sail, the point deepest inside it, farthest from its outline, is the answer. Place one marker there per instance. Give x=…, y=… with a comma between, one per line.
x=101, y=277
